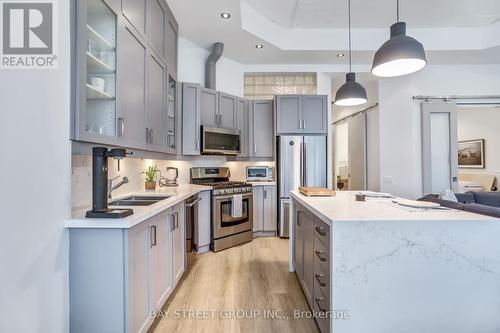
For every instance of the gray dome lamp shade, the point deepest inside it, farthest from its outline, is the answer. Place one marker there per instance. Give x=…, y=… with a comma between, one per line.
x=400, y=55
x=350, y=93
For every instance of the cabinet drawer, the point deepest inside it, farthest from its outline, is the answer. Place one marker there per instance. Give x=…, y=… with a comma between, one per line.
x=321, y=303
x=321, y=255
x=321, y=279
x=322, y=231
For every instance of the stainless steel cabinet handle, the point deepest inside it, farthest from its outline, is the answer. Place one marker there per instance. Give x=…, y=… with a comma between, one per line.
x=172, y=223
x=320, y=255
x=265, y=194
x=198, y=144
x=303, y=124
x=189, y=205
x=121, y=126
x=299, y=218
x=255, y=149
x=153, y=235
x=318, y=301
x=321, y=231
x=176, y=216
x=150, y=135
x=305, y=164
x=318, y=277
x=147, y=135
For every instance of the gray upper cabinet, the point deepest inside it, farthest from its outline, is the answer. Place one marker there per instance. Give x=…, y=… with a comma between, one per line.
x=288, y=110
x=227, y=110
x=172, y=42
x=191, y=119
x=242, y=124
x=157, y=85
x=314, y=114
x=157, y=20
x=301, y=114
x=209, y=107
x=131, y=88
x=262, y=129
x=135, y=12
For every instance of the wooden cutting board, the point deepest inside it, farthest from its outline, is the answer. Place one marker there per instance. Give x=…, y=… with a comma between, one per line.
x=316, y=191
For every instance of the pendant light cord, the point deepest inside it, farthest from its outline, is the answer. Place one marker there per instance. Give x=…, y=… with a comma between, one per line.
x=349, y=17
x=397, y=10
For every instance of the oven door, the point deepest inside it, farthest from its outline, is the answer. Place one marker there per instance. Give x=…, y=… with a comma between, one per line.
x=220, y=141
x=224, y=224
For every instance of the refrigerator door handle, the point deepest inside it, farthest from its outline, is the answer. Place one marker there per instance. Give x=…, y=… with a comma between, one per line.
x=304, y=145
x=301, y=164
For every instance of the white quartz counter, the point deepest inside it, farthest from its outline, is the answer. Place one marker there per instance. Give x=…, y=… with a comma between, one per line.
x=344, y=207
x=141, y=213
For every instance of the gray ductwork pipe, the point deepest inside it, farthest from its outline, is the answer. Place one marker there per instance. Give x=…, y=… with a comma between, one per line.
x=211, y=72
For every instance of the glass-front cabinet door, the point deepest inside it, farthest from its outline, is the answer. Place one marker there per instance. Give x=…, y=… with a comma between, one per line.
x=96, y=73
x=171, y=115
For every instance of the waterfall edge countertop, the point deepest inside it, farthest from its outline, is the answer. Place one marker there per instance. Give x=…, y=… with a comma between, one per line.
x=141, y=213
x=344, y=207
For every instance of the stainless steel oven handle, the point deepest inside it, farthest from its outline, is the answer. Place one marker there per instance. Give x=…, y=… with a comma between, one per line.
x=189, y=205
x=219, y=198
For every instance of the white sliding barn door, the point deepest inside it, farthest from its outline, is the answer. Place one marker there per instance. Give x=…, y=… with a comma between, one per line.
x=439, y=147
x=357, y=152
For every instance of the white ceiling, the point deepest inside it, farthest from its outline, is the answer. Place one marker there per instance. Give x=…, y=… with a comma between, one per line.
x=378, y=13
x=201, y=23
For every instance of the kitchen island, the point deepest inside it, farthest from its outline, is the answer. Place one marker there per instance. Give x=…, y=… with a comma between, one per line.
x=382, y=267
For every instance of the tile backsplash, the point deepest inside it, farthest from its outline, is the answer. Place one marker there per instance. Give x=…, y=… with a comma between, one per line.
x=81, y=178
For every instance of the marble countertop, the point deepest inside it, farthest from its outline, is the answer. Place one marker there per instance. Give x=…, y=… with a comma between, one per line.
x=141, y=213
x=343, y=207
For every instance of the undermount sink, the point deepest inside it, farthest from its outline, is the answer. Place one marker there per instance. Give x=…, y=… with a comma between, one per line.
x=138, y=200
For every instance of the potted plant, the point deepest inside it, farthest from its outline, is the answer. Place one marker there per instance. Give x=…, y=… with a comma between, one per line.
x=340, y=183
x=151, y=173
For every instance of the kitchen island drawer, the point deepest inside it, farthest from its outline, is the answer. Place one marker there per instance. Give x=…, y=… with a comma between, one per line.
x=322, y=231
x=321, y=305
x=321, y=255
x=321, y=279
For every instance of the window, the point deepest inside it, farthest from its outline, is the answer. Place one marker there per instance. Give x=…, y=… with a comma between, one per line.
x=266, y=86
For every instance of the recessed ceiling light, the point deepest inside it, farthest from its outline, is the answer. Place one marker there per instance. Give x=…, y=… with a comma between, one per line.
x=259, y=46
x=225, y=16
x=340, y=55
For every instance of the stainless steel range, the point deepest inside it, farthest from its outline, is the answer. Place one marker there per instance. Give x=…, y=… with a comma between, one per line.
x=232, y=207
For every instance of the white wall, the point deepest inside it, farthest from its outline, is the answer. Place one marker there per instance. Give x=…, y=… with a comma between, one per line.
x=192, y=59
x=400, y=127
x=482, y=123
x=35, y=196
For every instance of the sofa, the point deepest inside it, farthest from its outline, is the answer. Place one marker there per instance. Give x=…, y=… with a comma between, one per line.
x=484, y=203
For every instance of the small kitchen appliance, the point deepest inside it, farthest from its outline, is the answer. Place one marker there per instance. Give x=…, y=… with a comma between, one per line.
x=259, y=173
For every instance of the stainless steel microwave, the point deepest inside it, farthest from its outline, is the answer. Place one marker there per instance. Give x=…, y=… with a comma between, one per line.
x=259, y=173
x=220, y=141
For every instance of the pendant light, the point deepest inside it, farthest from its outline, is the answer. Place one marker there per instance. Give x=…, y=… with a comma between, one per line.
x=400, y=55
x=350, y=93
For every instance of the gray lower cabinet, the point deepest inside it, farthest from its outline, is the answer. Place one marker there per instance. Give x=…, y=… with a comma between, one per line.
x=125, y=274
x=131, y=84
x=262, y=129
x=135, y=12
x=312, y=261
x=156, y=106
x=191, y=119
x=227, y=110
x=264, y=208
x=242, y=124
x=301, y=114
x=209, y=107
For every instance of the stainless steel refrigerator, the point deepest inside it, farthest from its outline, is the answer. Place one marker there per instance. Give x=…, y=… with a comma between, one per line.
x=301, y=162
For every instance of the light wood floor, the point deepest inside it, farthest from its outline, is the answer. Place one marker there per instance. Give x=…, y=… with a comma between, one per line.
x=251, y=276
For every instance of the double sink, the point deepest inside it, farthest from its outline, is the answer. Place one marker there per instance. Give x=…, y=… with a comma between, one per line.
x=139, y=200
